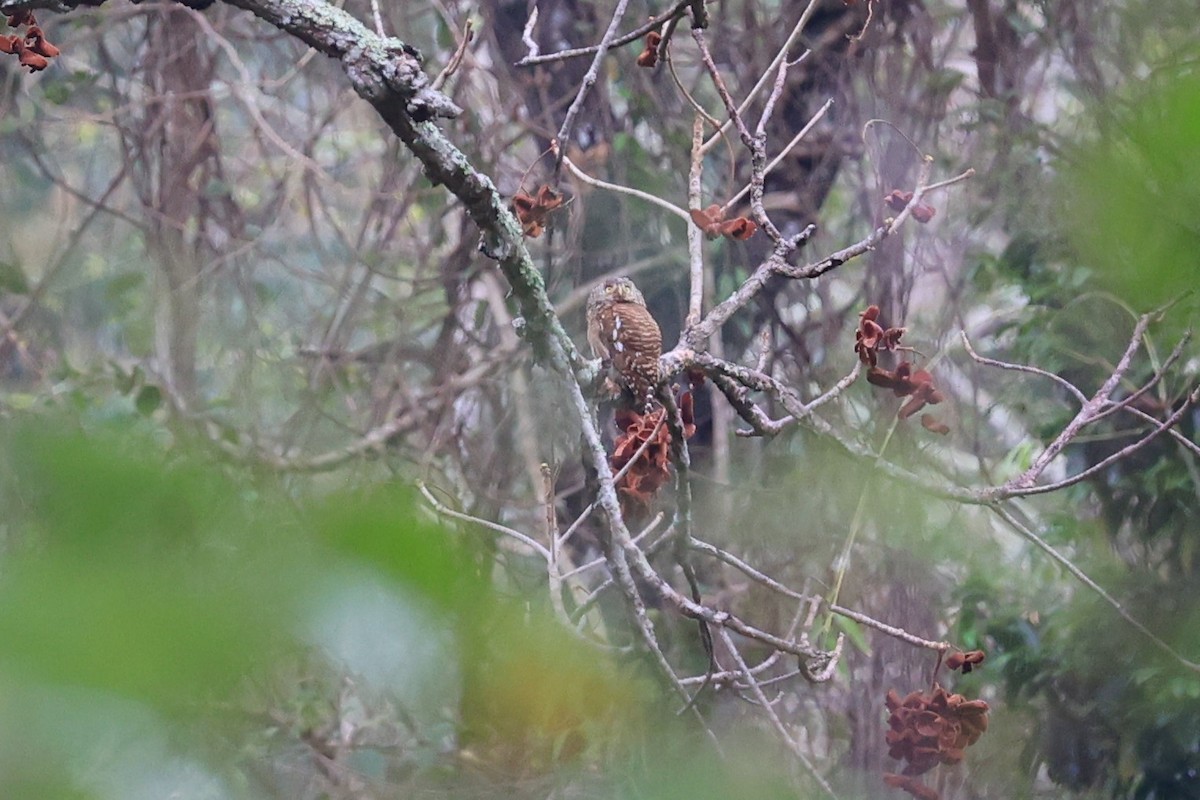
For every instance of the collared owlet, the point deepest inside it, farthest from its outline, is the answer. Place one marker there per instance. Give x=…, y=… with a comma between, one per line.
x=625, y=337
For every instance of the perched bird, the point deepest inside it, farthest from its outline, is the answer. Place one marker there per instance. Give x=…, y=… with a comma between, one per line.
x=624, y=335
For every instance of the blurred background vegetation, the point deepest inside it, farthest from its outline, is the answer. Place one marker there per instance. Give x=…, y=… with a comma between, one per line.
x=239, y=327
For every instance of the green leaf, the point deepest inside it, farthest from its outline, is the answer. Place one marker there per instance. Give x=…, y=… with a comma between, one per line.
x=380, y=529
x=57, y=92
x=150, y=579
x=149, y=398
x=1133, y=196
x=119, y=285
x=854, y=633
x=12, y=278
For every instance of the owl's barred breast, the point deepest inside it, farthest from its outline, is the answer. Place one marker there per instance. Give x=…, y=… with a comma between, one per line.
x=636, y=346
x=638, y=329
x=623, y=333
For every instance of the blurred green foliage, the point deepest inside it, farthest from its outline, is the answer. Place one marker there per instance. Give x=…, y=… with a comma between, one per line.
x=148, y=597
x=1116, y=717
x=175, y=627
x=1133, y=194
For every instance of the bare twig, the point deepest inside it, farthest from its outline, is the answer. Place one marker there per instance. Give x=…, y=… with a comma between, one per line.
x=377, y=17
x=787, y=148
x=769, y=709
x=1159, y=429
x=757, y=145
x=440, y=508
x=553, y=573
x=613, y=187
x=870, y=15
x=1085, y=415
x=596, y=562
x=767, y=74
x=890, y=630
x=51, y=272
x=1027, y=534
x=527, y=36
x=589, y=79
x=991, y=362
x=695, y=336
x=1173, y=432
x=692, y=101
x=745, y=569
x=694, y=236
x=1175, y=354
x=535, y=57
x=764, y=426
x=452, y=65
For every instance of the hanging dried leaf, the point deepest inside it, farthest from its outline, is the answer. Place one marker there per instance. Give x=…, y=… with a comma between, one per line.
x=32, y=48
x=739, y=228
x=35, y=40
x=713, y=223
x=649, y=56
x=687, y=413
x=933, y=425
x=898, y=200
x=871, y=337
x=35, y=61
x=959, y=660
x=534, y=210
x=923, y=212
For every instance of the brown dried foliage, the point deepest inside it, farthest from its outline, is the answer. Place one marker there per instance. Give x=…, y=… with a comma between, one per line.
x=932, y=424
x=930, y=728
x=871, y=337
x=649, y=56
x=533, y=210
x=897, y=200
x=917, y=385
x=967, y=661
x=651, y=469
x=712, y=221
x=32, y=48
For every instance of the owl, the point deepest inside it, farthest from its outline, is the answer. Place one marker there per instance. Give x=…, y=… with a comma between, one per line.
x=625, y=337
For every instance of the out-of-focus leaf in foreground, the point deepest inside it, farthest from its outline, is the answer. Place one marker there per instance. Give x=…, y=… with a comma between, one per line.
x=145, y=594
x=1132, y=201
x=135, y=574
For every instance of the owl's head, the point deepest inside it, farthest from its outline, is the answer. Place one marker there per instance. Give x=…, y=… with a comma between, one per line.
x=615, y=290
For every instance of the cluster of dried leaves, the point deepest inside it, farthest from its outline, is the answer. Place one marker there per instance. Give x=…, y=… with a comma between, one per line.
x=966, y=662
x=930, y=728
x=712, y=221
x=645, y=440
x=534, y=210
x=917, y=385
x=871, y=337
x=32, y=47
x=898, y=199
